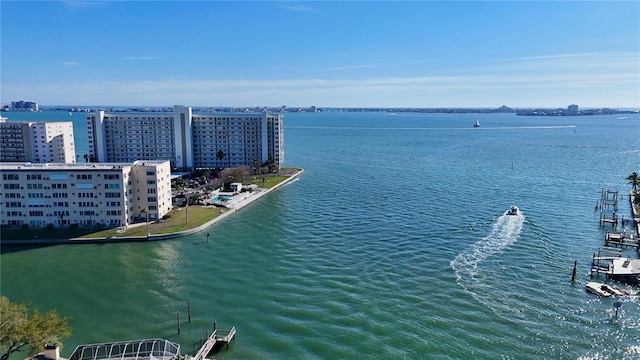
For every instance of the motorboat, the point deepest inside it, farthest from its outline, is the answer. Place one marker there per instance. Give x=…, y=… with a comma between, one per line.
x=605, y=290
x=513, y=210
x=477, y=124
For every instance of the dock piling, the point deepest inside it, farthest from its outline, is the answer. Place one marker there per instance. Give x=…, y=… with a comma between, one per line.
x=178, y=322
x=617, y=305
x=573, y=274
x=189, y=311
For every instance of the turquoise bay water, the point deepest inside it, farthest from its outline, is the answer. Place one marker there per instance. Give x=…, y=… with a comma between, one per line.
x=392, y=245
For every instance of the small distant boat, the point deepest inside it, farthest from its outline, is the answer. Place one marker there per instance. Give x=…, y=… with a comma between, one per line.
x=477, y=124
x=512, y=211
x=605, y=290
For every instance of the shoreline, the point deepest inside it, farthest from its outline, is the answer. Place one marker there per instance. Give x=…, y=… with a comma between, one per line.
x=635, y=217
x=113, y=239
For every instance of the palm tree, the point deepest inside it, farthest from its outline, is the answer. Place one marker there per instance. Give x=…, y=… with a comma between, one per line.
x=61, y=218
x=271, y=163
x=195, y=199
x=220, y=155
x=146, y=213
x=256, y=164
x=634, y=181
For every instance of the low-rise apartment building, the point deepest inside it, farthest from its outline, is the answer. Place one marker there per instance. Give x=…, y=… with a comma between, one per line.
x=84, y=194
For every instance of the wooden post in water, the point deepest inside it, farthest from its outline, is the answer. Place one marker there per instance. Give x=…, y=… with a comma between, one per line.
x=573, y=275
x=189, y=310
x=178, y=322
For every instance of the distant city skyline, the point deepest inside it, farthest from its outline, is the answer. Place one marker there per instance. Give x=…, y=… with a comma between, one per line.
x=417, y=54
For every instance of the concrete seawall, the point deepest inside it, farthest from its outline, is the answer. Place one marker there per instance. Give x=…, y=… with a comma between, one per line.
x=636, y=216
x=114, y=239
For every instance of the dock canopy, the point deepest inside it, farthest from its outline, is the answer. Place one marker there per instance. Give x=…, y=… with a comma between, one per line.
x=152, y=349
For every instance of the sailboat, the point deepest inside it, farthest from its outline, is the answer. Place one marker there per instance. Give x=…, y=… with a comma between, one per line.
x=477, y=124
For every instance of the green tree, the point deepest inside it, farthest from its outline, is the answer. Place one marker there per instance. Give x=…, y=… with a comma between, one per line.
x=634, y=181
x=220, y=156
x=195, y=199
x=21, y=328
x=61, y=218
x=256, y=166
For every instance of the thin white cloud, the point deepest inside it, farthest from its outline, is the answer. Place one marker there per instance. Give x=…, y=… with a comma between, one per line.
x=546, y=57
x=610, y=80
x=379, y=65
x=77, y=4
x=177, y=86
x=140, y=57
x=586, y=63
x=69, y=63
x=351, y=67
x=296, y=6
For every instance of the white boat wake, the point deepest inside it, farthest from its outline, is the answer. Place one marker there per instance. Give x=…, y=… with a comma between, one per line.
x=470, y=275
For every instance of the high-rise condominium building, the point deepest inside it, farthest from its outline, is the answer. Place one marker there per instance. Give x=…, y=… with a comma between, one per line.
x=187, y=140
x=24, y=106
x=38, y=142
x=84, y=194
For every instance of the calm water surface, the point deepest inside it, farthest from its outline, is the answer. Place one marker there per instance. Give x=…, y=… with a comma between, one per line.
x=392, y=245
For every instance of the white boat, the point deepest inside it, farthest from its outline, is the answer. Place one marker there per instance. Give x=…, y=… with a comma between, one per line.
x=512, y=211
x=477, y=124
x=605, y=290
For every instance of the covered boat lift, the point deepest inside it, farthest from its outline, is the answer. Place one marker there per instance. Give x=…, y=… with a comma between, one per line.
x=147, y=349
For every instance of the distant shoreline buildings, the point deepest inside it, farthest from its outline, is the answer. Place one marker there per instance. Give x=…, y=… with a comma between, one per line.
x=24, y=106
x=571, y=110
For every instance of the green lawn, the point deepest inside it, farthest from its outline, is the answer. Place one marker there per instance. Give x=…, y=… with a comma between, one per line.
x=197, y=214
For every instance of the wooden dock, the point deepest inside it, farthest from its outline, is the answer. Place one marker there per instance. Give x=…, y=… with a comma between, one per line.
x=608, y=200
x=218, y=336
x=608, y=206
x=621, y=239
x=601, y=264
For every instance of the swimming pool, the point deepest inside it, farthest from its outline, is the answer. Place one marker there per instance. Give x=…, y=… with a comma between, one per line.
x=219, y=198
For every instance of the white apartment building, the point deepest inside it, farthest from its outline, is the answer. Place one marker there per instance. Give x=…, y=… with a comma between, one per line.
x=84, y=194
x=37, y=142
x=187, y=140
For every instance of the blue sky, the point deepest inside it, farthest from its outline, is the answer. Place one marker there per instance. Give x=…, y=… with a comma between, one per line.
x=323, y=53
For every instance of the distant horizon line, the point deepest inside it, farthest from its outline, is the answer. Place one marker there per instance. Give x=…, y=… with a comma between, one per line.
x=335, y=107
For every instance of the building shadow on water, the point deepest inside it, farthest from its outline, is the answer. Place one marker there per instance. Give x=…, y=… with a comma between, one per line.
x=8, y=249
